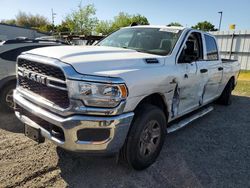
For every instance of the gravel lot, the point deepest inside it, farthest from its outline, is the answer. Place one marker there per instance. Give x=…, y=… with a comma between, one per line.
x=213, y=151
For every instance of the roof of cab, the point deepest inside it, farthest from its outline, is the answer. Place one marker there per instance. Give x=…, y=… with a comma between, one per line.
x=157, y=26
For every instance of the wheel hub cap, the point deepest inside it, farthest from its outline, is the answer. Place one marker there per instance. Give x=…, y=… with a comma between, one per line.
x=150, y=138
x=9, y=99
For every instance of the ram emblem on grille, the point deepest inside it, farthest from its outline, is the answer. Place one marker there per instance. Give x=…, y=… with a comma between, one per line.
x=34, y=77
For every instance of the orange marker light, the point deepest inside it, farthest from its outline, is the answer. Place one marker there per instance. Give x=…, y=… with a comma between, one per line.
x=123, y=90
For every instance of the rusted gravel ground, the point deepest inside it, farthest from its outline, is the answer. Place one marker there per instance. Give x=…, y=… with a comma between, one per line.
x=213, y=151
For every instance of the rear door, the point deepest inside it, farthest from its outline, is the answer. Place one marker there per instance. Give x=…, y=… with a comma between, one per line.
x=210, y=70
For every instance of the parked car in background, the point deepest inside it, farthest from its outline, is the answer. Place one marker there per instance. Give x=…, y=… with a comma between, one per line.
x=9, y=50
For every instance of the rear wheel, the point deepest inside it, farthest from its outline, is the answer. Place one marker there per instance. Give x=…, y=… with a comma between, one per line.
x=225, y=98
x=6, y=98
x=145, y=138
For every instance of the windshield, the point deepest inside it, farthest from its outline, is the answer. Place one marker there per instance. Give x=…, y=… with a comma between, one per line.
x=159, y=41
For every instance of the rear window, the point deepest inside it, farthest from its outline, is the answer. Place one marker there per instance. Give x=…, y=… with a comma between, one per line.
x=212, y=51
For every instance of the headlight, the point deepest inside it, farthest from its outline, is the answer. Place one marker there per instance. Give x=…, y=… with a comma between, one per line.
x=100, y=95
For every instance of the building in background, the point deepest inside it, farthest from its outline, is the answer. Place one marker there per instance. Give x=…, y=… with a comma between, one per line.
x=8, y=32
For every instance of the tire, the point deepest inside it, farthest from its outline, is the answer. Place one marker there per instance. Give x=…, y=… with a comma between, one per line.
x=6, y=98
x=225, y=98
x=142, y=147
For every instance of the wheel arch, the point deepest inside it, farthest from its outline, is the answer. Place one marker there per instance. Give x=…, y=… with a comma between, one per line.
x=232, y=79
x=156, y=99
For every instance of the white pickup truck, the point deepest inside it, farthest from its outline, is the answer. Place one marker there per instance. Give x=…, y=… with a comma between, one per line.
x=125, y=93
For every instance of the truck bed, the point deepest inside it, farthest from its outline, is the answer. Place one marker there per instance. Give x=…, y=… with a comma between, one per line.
x=228, y=60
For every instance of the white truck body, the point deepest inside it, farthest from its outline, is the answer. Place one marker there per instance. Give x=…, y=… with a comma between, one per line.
x=182, y=86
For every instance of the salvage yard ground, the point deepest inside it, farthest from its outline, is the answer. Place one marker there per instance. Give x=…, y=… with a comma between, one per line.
x=213, y=151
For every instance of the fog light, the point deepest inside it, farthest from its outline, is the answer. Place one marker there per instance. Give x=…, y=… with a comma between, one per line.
x=93, y=135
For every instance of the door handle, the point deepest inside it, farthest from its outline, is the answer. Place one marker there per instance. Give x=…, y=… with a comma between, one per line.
x=220, y=68
x=203, y=70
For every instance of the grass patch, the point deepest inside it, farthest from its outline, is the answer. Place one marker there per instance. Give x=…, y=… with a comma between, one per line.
x=244, y=75
x=242, y=88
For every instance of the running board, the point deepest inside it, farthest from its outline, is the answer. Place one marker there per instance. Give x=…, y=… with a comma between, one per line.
x=186, y=121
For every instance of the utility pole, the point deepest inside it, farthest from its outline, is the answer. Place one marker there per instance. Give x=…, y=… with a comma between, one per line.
x=221, y=13
x=53, y=19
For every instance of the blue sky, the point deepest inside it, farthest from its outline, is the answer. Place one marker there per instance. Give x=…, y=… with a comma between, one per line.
x=187, y=12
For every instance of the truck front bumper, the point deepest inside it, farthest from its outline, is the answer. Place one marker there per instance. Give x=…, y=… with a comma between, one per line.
x=77, y=133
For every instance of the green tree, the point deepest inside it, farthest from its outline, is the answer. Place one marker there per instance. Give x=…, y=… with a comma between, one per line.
x=63, y=27
x=45, y=28
x=121, y=20
x=104, y=27
x=204, y=26
x=30, y=21
x=124, y=20
x=83, y=20
x=139, y=19
x=175, y=24
x=56, y=28
x=10, y=22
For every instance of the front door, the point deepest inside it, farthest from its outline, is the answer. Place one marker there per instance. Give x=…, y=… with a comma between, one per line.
x=189, y=85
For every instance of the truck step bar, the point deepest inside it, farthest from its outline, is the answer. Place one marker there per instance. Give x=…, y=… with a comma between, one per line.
x=184, y=122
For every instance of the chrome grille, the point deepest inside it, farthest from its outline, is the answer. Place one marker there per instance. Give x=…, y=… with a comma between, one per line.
x=40, y=68
x=53, y=88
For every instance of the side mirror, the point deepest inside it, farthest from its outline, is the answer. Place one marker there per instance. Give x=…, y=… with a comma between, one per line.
x=190, y=59
x=185, y=57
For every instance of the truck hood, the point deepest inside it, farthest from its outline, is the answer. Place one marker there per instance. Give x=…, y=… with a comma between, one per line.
x=100, y=60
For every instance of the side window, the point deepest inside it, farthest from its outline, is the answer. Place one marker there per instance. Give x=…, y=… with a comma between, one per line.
x=193, y=49
x=212, y=51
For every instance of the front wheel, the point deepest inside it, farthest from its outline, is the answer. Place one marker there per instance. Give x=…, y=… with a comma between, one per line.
x=146, y=137
x=6, y=98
